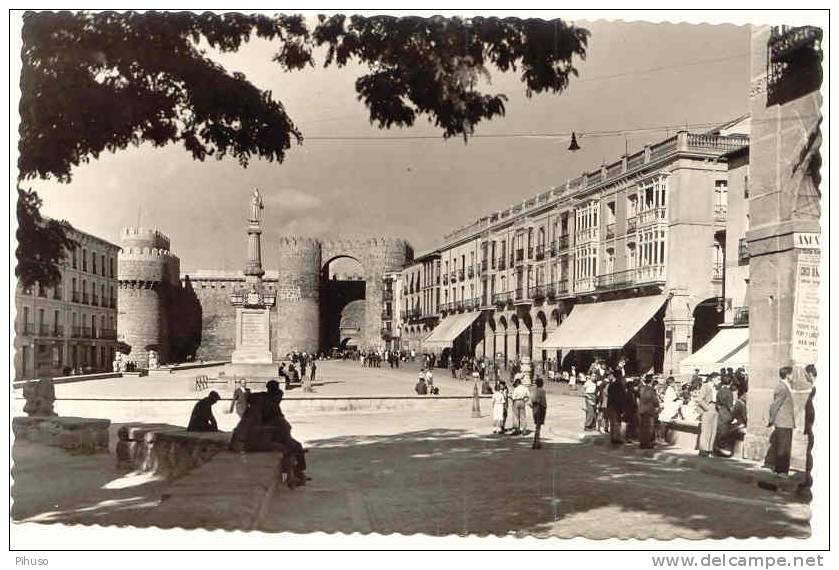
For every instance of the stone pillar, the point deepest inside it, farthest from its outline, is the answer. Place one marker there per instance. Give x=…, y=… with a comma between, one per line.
x=678, y=330
x=784, y=208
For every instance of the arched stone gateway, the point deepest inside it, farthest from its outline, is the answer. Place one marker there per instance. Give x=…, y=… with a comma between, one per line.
x=312, y=303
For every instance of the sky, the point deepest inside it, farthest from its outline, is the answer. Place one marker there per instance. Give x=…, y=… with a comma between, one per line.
x=635, y=75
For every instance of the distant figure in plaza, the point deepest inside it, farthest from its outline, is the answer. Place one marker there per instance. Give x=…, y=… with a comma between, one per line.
x=590, y=403
x=782, y=419
x=809, y=420
x=202, y=418
x=486, y=389
x=499, y=407
x=631, y=415
x=421, y=388
x=648, y=409
x=429, y=379
x=707, y=404
x=520, y=397
x=572, y=383
x=696, y=380
x=239, y=403
x=539, y=404
x=671, y=403
x=615, y=407
x=313, y=369
x=725, y=411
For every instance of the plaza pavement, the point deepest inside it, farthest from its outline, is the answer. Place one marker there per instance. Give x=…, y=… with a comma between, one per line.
x=436, y=473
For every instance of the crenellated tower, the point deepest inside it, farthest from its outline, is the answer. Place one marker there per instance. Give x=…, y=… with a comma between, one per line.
x=298, y=299
x=149, y=277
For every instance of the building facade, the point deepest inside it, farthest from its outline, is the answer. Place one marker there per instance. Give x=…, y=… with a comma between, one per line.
x=420, y=300
x=651, y=224
x=71, y=326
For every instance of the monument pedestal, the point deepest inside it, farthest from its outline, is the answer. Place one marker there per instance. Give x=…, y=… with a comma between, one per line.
x=252, y=358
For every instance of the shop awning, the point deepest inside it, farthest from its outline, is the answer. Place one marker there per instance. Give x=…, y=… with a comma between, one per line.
x=729, y=348
x=604, y=325
x=449, y=329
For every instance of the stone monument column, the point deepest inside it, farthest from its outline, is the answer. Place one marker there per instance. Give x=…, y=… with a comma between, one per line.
x=252, y=356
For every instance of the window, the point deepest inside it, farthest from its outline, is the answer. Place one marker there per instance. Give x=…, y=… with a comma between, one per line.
x=93, y=263
x=630, y=256
x=75, y=258
x=84, y=260
x=631, y=205
x=720, y=193
x=610, y=213
x=102, y=264
x=746, y=186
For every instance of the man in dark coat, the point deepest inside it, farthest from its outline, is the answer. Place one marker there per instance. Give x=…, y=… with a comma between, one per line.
x=202, y=418
x=725, y=410
x=616, y=407
x=631, y=414
x=648, y=407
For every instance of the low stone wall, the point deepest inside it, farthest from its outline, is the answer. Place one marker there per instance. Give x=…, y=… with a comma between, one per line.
x=75, y=378
x=86, y=435
x=166, y=450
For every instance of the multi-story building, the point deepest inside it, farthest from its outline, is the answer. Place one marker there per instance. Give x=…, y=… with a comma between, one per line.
x=421, y=301
x=632, y=253
x=71, y=326
x=391, y=306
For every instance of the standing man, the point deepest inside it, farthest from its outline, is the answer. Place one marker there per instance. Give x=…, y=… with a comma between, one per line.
x=782, y=418
x=648, y=407
x=615, y=407
x=707, y=403
x=520, y=397
x=539, y=403
x=590, y=403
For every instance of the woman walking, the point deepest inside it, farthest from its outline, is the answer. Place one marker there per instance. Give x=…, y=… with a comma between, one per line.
x=499, y=407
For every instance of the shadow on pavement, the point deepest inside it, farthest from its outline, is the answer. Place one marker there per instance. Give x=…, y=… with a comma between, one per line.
x=450, y=481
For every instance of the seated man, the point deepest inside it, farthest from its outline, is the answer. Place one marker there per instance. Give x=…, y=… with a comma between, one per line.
x=202, y=418
x=421, y=387
x=263, y=427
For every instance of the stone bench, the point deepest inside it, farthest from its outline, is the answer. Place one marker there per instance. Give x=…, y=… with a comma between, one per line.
x=166, y=450
x=87, y=435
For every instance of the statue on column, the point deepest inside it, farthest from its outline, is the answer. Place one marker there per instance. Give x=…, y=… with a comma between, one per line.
x=256, y=206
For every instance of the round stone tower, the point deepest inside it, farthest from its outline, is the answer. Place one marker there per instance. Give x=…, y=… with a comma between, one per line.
x=298, y=296
x=148, y=275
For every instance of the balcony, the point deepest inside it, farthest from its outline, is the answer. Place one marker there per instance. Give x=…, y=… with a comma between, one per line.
x=108, y=334
x=616, y=280
x=56, y=293
x=469, y=304
x=502, y=264
x=540, y=252
x=564, y=242
x=562, y=288
x=43, y=329
x=113, y=303
x=386, y=332
x=26, y=328
x=538, y=292
x=77, y=332
x=610, y=231
x=743, y=252
x=501, y=300
x=387, y=315
x=720, y=212
x=554, y=250
x=86, y=332
x=652, y=216
x=520, y=255
x=741, y=316
x=484, y=265
x=522, y=296
x=94, y=300
x=587, y=235
x=58, y=331
x=387, y=295
x=631, y=224
x=470, y=272
x=651, y=274
x=492, y=263
x=85, y=299
x=529, y=253
x=585, y=284
x=718, y=271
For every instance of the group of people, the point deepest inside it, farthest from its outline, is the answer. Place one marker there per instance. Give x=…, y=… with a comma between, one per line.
x=425, y=383
x=293, y=375
x=513, y=405
x=262, y=427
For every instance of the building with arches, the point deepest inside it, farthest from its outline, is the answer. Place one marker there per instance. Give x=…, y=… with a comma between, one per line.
x=624, y=260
